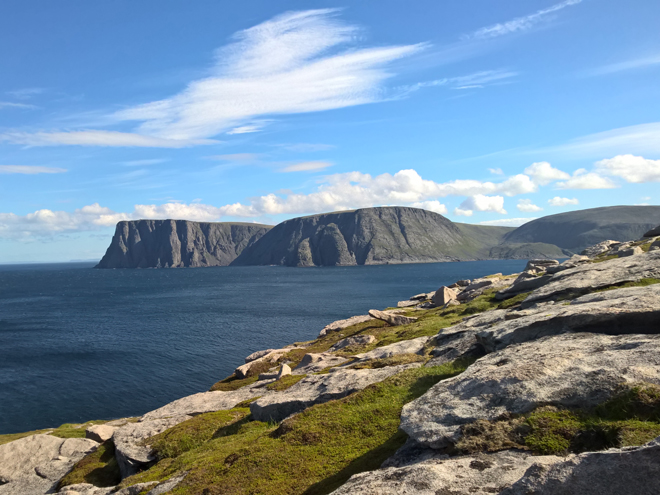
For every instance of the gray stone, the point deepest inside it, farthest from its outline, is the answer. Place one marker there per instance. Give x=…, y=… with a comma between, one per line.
x=443, y=295
x=479, y=286
x=612, y=472
x=570, y=370
x=341, y=324
x=407, y=304
x=316, y=389
x=131, y=451
x=599, y=248
x=33, y=465
x=633, y=251
x=523, y=285
x=284, y=370
x=463, y=283
x=412, y=346
x=422, y=297
x=455, y=345
x=315, y=362
x=540, y=265
x=167, y=485
x=272, y=357
x=258, y=354
x=137, y=488
x=470, y=475
x=653, y=232
x=86, y=489
x=586, y=278
x=100, y=433
x=354, y=341
x=572, y=262
x=391, y=319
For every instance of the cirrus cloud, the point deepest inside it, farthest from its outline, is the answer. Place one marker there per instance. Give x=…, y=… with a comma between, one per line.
x=30, y=169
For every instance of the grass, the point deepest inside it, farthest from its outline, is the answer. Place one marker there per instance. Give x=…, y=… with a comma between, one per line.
x=285, y=382
x=233, y=383
x=645, y=282
x=98, y=468
x=67, y=430
x=313, y=452
x=630, y=418
x=390, y=361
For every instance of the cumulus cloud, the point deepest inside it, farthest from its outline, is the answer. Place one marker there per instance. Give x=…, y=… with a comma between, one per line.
x=30, y=170
x=528, y=206
x=520, y=24
x=99, y=138
x=435, y=206
x=558, y=201
x=542, y=173
x=496, y=171
x=306, y=167
x=480, y=202
x=582, y=179
x=635, y=169
x=508, y=222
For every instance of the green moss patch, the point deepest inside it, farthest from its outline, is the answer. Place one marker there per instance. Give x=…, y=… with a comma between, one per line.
x=67, y=430
x=645, y=282
x=233, y=383
x=313, y=452
x=395, y=360
x=631, y=418
x=285, y=382
x=98, y=468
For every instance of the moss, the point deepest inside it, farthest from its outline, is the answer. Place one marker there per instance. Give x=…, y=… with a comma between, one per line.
x=395, y=360
x=195, y=432
x=601, y=258
x=67, y=430
x=645, y=282
x=233, y=383
x=10, y=437
x=514, y=301
x=630, y=418
x=99, y=468
x=285, y=382
x=313, y=452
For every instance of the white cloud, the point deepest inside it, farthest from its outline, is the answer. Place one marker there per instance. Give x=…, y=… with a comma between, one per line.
x=542, y=173
x=9, y=104
x=631, y=168
x=557, y=201
x=146, y=162
x=476, y=80
x=528, y=206
x=25, y=93
x=289, y=64
x=582, y=179
x=99, y=138
x=306, y=167
x=30, y=170
x=508, y=222
x=249, y=128
x=435, y=206
x=637, y=63
x=520, y=24
x=480, y=202
x=496, y=171
x=235, y=157
x=307, y=147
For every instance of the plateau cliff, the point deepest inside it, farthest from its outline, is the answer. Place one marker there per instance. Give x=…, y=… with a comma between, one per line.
x=178, y=243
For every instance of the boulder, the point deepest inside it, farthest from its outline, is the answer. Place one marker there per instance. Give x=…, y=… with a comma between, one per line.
x=100, y=433
x=422, y=297
x=632, y=251
x=131, y=451
x=470, y=475
x=443, y=295
x=463, y=283
x=589, y=277
x=570, y=370
x=316, y=389
x=521, y=285
x=391, y=319
x=341, y=324
x=407, y=304
x=354, y=341
x=599, y=248
x=284, y=370
x=272, y=357
x=540, y=265
x=479, y=286
x=33, y=465
x=258, y=354
x=653, y=232
x=86, y=489
x=612, y=472
x=315, y=362
x=412, y=346
x=572, y=262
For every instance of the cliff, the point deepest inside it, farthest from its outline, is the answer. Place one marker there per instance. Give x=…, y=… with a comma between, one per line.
x=178, y=243
x=370, y=236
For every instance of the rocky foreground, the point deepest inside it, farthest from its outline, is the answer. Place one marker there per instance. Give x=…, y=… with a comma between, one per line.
x=543, y=382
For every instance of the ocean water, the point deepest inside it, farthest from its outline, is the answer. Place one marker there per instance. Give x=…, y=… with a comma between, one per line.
x=78, y=344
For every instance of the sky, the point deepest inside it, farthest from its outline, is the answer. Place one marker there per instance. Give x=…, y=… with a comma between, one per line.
x=487, y=112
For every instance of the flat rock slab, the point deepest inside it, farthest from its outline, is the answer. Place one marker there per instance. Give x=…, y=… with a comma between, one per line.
x=390, y=318
x=480, y=475
x=612, y=472
x=412, y=346
x=130, y=449
x=207, y=402
x=341, y=324
x=586, y=278
x=33, y=465
x=570, y=370
x=316, y=389
x=356, y=340
x=100, y=433
x=315, y=362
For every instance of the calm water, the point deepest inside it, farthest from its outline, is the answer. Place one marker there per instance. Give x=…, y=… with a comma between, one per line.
x=79, y=344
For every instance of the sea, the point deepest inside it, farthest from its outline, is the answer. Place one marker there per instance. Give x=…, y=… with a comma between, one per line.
x=79, y=344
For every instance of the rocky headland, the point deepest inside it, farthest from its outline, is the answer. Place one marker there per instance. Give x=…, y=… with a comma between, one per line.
x=542, y=382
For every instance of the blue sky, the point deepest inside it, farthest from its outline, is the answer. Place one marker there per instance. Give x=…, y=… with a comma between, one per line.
x=258, y=111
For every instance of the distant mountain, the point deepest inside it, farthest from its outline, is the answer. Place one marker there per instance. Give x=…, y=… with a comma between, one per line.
x=371, y=236
x=178, y=243
x=576, y=230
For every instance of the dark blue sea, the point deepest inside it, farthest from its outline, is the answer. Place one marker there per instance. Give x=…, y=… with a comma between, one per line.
x=78, y=344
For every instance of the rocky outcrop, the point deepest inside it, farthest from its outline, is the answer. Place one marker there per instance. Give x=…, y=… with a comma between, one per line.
x=653, y=232
x=391, y=318
x=613, y=472
x=100, y=433
x=341, y=324
x=571, y=370
x=33, y=465
x=178, y=243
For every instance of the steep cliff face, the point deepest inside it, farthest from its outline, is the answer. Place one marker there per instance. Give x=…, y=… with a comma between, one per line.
x=178, y=243
x=366, y=236
x=575, y=230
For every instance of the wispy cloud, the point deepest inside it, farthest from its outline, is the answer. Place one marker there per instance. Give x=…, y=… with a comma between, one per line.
x=637, y=63
x=146, y=162
x=25, y=93
x=306, y=167
x=99, y=138
x=306, y=147
x=9, y=104
x=30, y=170
x=479, y=79
x=520, y=24
x=508, y=222
x=235, y=157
